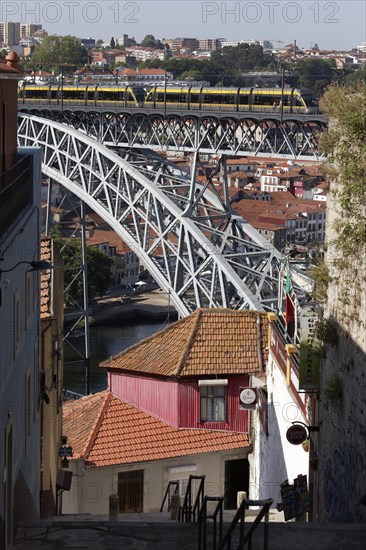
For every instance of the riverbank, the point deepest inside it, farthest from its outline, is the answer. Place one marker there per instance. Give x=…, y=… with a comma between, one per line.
x=121, y=308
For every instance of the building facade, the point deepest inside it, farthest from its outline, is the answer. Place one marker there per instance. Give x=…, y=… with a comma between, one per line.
x=9, y=33
x=20, y=183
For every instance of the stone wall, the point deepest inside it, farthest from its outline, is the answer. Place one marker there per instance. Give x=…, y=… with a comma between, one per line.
x=342, y=407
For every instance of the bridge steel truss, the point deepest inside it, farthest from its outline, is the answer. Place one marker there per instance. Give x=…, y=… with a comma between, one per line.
x=239, y=134
x=188, y=238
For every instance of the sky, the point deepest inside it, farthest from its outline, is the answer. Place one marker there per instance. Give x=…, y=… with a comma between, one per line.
x=339, y=25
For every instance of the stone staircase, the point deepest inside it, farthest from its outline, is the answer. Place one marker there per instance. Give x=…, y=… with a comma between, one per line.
x=159, y=532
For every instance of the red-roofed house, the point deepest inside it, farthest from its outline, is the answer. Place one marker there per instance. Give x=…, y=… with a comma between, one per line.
x=126, y=264
x=180, y=403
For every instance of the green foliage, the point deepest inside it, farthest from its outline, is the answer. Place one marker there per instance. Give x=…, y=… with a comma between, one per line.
x=357, y=76
x=333, y=389
x=226, y=67
x=112, y=43
x=99, y=268
x=59, y=50
x=150, y=42
x=315, y=74
x=320, y=274
x=327, y=331
x=344, y=144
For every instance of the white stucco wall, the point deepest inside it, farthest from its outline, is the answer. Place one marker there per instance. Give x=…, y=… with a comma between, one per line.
x=91, y=487
x=274, y=459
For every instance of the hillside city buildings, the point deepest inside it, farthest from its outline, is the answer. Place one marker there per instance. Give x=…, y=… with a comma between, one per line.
x=23, y=37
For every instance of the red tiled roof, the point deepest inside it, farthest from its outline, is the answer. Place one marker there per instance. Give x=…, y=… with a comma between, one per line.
x=100, y=236
x=105, y=431
x=207, y=342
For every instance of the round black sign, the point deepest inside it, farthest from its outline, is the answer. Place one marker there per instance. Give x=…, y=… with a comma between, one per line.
x=296, y=434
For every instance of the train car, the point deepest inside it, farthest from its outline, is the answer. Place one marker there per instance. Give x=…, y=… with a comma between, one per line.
x=289, y=100
x=85, y=95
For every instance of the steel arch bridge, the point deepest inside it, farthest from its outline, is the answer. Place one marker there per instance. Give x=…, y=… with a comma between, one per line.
x=188, y=238
x=239, y=133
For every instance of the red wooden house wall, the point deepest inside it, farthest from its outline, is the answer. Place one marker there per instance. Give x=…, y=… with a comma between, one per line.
x=178, y=402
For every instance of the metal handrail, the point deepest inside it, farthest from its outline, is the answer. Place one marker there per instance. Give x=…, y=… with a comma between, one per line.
x=167, y=492
x=245, y=538
x=187, y=511
x=199, y=498
x=202, y=522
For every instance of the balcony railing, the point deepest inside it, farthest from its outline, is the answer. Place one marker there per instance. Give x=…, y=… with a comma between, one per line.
x=15, y=191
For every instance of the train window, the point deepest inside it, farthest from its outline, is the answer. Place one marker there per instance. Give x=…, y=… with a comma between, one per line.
x=159, y=97
x=54, y=94
x=195, y=97
x=69, y=94
x=244, y=99
x=207, y=99
x=183, y=98
x=107, y=95
x=310, y=100
x=171, y=97
x=139, y=94
x=298, y=101
x=90, y=95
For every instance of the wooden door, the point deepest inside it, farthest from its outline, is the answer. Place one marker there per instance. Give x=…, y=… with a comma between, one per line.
x=131, y=491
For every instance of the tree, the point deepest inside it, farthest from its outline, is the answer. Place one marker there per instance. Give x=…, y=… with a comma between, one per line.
x=99, y=267
x=315, y=74
x=60, y=50
x=357, y=76
x=112, y=43
x=150, y=42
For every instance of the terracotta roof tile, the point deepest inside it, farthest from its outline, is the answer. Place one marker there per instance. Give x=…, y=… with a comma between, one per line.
x=106, y=431
x=207, y=342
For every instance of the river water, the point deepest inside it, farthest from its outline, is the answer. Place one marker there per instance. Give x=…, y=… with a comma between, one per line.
x=105, y=341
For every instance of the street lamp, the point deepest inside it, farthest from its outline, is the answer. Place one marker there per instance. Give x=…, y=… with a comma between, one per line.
x=35, y=265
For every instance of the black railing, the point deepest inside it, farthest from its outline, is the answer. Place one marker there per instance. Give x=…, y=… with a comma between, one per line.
x=247, y=538
x=190, y=511
x=15, y=192
x=168, y=494
x=216, y=516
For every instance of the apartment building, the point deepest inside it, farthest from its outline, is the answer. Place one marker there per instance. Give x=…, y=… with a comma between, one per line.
x=27, y=30
x=9, y=33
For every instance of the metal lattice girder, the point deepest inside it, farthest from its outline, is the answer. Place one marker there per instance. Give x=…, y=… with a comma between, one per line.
x=193, y=245
x=293, y=137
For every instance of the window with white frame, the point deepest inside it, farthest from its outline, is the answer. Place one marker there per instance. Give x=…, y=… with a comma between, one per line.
x=213, y=400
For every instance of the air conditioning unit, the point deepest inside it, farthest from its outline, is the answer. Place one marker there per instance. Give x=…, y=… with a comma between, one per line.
x=247, y=398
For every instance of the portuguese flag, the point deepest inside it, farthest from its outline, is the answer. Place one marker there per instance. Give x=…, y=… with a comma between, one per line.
x=291, y=313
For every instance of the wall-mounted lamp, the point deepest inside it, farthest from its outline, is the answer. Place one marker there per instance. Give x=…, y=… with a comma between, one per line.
x=35, y=265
